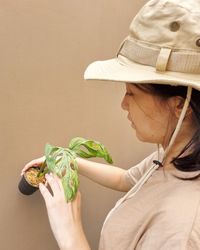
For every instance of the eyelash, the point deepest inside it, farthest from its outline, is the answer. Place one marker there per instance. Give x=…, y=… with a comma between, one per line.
x=129, y=94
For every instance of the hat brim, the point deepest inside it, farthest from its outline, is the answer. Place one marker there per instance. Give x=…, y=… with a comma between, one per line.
x=121, y=69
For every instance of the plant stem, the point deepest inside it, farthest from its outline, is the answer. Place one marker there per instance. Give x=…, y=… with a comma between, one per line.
x=42, y=168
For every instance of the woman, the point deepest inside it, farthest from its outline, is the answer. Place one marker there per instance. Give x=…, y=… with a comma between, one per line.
x=161, y=207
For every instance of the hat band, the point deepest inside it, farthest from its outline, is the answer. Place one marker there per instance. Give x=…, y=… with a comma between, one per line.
x=177, y=60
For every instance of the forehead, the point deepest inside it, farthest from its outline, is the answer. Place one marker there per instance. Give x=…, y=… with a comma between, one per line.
x=131, y=86
x=144, y=95
x=134, y=87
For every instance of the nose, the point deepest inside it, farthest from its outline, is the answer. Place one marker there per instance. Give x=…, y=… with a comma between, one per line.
x=124, y=103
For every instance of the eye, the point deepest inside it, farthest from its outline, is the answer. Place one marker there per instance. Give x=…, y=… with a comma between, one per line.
x=129, y=94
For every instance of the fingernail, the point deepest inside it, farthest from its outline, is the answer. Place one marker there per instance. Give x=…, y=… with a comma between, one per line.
x=47, y=175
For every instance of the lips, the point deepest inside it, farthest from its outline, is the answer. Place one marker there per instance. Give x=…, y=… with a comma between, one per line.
x=128, y=117
x=132, y=123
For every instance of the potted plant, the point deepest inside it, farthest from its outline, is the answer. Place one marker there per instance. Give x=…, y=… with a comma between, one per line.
x=62, y=162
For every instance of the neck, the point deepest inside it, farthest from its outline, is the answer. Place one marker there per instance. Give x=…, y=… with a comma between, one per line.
x=184, y=136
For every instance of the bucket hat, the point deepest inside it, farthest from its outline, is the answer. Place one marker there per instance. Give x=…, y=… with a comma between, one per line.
x=163, y=46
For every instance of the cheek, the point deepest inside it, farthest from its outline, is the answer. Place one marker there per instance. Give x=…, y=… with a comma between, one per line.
x=162, y=126
x=159, y=123
x=149, y=116
x=147, y=133
x=151, y=129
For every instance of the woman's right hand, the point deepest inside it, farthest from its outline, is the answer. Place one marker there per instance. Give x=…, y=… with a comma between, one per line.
x=35, y=162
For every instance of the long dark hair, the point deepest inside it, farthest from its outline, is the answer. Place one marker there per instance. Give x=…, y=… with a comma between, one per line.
x=190, y=162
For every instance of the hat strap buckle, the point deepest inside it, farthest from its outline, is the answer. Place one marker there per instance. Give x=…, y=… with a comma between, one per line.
x=163, y=58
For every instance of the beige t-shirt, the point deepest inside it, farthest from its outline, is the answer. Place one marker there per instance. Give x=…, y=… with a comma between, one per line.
x=163, y=215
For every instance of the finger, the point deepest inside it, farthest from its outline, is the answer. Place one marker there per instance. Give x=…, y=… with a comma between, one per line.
x=76, y=206
x=78, y=196
x=35, y=162
x=53, y=183
x=58, y=180
x=45, y=193
x=46, y=183
x=29, y=165
x=77, y=200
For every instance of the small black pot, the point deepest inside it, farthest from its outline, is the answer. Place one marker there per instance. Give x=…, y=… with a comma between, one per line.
x=25, y=187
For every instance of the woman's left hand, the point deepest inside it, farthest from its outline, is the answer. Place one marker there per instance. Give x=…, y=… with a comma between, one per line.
x=64, y=218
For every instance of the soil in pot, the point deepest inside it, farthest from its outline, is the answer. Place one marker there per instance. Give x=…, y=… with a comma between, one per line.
x=30, y=181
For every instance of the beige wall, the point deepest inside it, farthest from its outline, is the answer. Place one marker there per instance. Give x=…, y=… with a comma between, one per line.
x=44, y=49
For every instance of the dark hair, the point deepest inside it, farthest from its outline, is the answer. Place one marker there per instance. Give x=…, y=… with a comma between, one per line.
x=190, y=162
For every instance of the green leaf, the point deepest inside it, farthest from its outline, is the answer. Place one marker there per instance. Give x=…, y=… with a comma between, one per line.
x=89, y=148
x=70, y=184
x=51, y=162
x=84, y=154
x=76, y=143
x=50, y=149
x=62, y=161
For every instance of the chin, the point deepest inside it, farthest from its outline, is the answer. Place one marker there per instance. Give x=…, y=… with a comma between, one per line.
x=141, y=139
x=144, y=139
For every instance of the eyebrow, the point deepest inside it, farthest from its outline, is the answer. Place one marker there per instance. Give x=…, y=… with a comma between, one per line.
x=132, y=88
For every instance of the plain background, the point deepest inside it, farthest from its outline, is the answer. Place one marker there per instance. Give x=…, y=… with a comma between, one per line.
x=45, y=47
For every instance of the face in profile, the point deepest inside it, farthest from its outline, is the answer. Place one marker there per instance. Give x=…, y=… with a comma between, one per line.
x=150, y=116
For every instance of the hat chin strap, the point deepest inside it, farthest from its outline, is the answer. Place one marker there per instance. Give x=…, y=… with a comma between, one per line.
x=180, y=121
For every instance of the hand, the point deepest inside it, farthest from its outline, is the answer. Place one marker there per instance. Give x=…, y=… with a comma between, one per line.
x=64, y=218
x=35, y=162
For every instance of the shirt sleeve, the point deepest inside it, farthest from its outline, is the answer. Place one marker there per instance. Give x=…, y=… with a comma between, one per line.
x=136, y=172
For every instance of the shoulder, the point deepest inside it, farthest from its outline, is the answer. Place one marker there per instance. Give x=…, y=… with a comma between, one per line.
x=182, y=196
x=136, y=172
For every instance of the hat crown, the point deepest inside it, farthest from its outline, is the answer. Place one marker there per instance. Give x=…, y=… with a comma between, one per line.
x=169, y=23
x=163, y=47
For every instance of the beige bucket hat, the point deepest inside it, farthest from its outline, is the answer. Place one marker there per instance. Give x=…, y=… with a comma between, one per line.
x=163, y=47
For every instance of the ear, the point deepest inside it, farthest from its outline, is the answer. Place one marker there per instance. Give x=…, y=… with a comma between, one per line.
x=178, y=103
